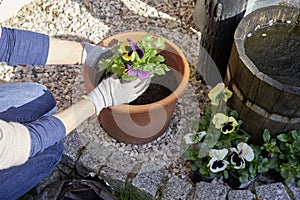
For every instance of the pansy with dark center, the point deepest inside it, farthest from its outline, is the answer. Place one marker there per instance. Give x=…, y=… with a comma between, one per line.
x=128, y=49
x=217, y=162
x=237, y=160
x=133, y=59
x=226, y=124
x=239, y=155
x=228, y=127
x=219, y=93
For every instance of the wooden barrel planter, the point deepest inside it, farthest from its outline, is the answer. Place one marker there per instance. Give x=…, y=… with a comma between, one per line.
x=262, y=101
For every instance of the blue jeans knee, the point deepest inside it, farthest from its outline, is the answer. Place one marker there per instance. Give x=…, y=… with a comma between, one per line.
x=25, y=102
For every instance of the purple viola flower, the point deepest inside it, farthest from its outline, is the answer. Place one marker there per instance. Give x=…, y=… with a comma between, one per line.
x=135, y=48
x=270, y=158
x=136, y=72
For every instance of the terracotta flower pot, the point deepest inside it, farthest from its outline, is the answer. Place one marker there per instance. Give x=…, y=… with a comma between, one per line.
x=139, y=124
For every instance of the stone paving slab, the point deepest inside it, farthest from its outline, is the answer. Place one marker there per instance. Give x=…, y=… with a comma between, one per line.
x=275, y=191
x=295, y=191
x=149, y=181
x=240, y=194
x=209, y=191
x=177, y=188
x=93, y=158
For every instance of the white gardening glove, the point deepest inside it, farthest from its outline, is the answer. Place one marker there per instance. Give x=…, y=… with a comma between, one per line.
x=93, y=53
x=114, y=91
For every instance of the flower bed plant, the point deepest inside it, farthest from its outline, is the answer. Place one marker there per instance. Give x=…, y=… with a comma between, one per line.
x=220, y=145
x=283, y=152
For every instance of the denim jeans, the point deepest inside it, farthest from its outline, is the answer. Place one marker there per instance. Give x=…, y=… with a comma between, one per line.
x=26, y=102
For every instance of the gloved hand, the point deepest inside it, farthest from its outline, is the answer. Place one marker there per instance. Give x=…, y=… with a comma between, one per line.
x=114, y=91
x=93, y=53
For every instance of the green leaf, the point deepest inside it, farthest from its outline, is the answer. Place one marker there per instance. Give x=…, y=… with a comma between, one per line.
x=225, y=174
x=266, y=135
x=146, y=42
x=157, y=59
x=282, y=137
x=187, y=154
x=244, y=178
x=289, y=180
x=159, y=71
x=234, y=114
x=251, y=169
x=295, y=134
x=148, y=67
x=193, y=167
x=166, y=68
x=118, y=69
x=159, y=43
x=298, y=183
x=203, y=170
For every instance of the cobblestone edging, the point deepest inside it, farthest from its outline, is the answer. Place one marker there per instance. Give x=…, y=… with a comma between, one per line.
x=158, y=184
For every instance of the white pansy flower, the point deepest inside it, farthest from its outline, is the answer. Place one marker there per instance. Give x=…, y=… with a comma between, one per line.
x=239, y=155
x=217, y=162
x=218, y=93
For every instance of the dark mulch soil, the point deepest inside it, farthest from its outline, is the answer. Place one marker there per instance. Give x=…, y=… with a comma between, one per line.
x=160, y=87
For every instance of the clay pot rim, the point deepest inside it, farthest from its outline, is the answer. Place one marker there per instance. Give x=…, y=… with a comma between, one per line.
x=240, y=37
x=125, y=108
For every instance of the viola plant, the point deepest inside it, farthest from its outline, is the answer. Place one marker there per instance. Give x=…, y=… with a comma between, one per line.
x=283, y=153
x=132, y=60
x=226, y=124
x=219, y=145
x=240, y=154
x=246, y=163
x=219, y=94
x=217, y=162
x=216, y=119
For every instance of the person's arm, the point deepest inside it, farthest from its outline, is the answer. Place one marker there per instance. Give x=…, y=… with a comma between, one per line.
x=110, y=92
x=76, y=114
x=64, y=52
x=31, y=48
x=23, y=47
